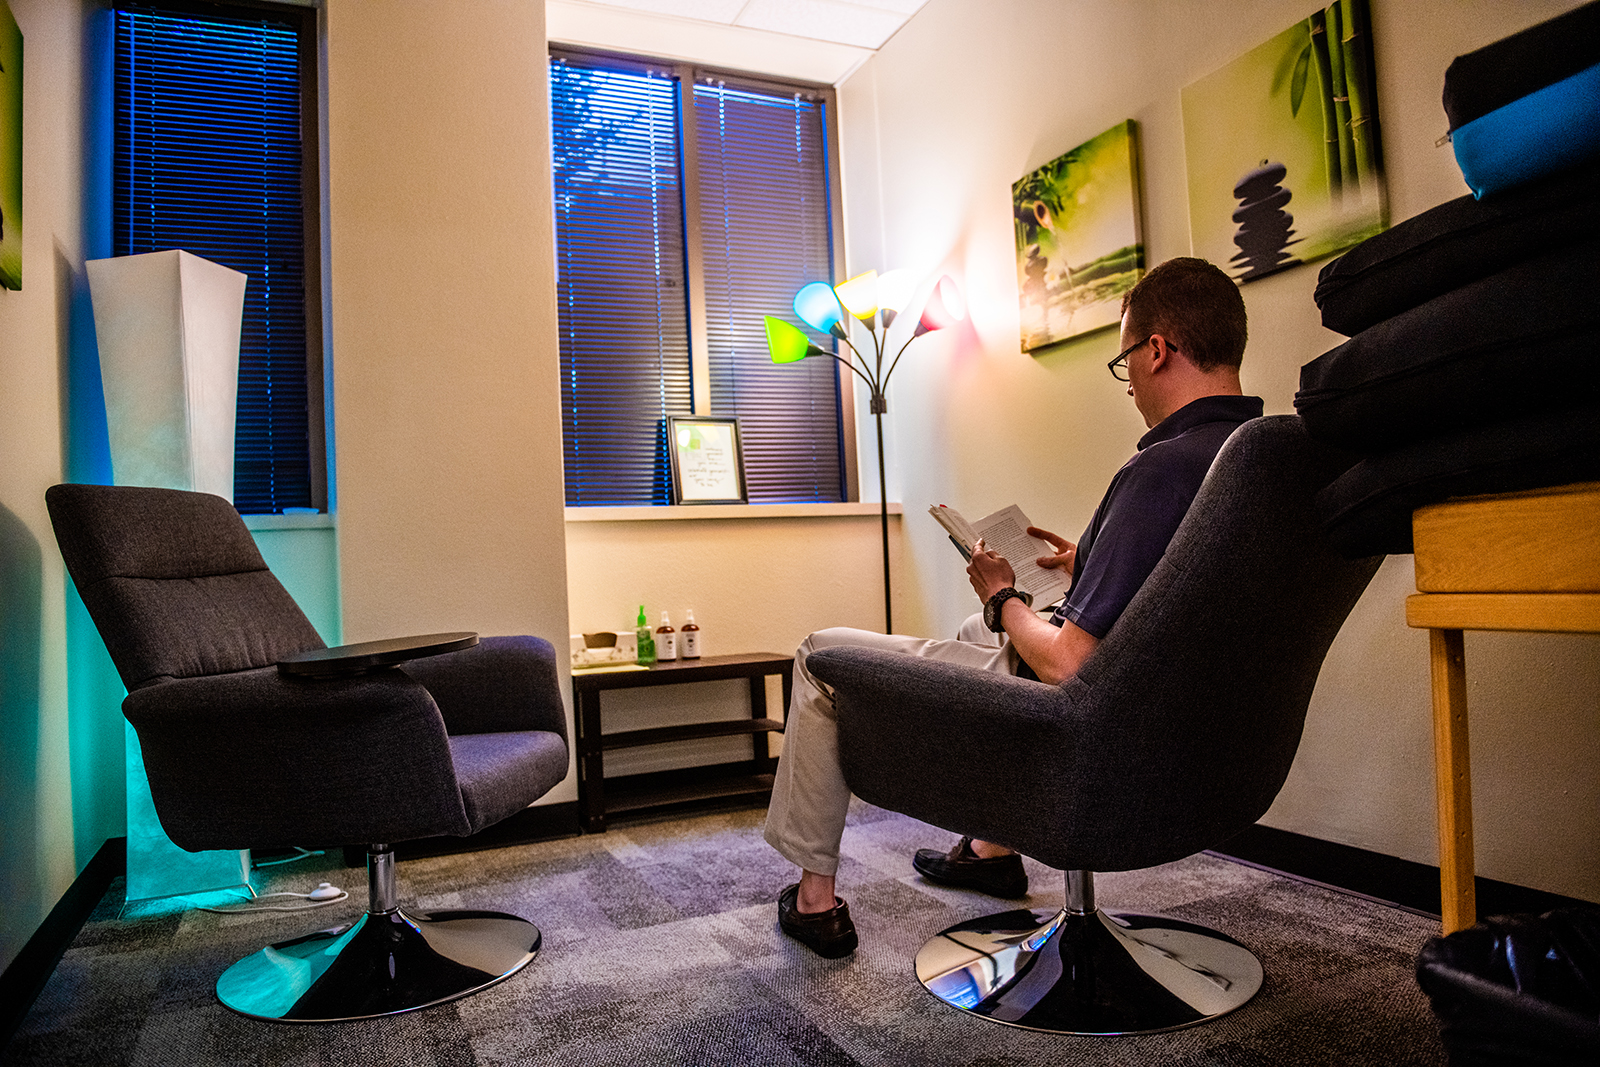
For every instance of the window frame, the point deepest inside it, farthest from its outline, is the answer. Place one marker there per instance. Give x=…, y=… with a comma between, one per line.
x=306, y=17
x=689, y=75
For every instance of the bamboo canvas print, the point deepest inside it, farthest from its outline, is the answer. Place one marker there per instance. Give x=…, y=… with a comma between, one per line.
x=1078, y=243
x=1282, y=148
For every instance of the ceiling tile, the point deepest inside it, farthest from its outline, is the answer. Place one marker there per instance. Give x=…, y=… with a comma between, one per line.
x=721, y=11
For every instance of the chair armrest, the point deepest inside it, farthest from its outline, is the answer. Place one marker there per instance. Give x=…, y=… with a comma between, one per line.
x=938, y=741
x=252, y=759
x=500, y=685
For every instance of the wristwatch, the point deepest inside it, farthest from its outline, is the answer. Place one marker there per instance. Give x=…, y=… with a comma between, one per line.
x=991, y=610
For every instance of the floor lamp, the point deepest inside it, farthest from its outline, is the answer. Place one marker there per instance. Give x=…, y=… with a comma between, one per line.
x=876, y=301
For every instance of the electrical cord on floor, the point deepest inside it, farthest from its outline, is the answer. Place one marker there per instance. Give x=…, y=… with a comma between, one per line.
x=300, y=854
x=319, y=897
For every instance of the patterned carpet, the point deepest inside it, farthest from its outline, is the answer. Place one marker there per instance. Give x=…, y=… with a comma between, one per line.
x=661, y=948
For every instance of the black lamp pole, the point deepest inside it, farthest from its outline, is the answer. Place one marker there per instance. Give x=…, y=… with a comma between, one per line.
x=788, y=344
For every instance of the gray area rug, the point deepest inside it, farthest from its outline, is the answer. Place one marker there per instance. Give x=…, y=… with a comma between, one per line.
x=661, y=948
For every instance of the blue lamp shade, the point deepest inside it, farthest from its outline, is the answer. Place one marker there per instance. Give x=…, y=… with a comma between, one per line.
x=787, y=344
x=818, y=308
x=945, y=307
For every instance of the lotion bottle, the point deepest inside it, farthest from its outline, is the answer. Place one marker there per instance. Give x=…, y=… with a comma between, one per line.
x=666, y=640
x=647, y=643
x=691, y=638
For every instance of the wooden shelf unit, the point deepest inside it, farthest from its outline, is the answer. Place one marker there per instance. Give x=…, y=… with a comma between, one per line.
x=662, y=789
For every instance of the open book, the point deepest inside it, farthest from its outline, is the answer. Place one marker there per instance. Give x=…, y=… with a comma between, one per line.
x=1006, y=532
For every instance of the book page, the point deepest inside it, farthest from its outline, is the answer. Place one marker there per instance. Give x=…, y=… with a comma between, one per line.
x=959, y=529
x=1006, y=533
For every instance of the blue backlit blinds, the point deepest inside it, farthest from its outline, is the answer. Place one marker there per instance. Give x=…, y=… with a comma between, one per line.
x=759, y=193
x=620, y=279
x=764, y=220
x=207, y=158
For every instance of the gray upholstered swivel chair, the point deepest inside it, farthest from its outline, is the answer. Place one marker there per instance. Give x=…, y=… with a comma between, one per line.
x=240, y=755
x=1175, y=735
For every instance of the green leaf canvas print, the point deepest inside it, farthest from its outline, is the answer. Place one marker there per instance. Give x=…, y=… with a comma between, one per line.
x=10, y=150
x=1282, y=148
x=1078, y=242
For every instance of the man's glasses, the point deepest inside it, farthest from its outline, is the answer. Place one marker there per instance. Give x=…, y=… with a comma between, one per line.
x=1119, y=366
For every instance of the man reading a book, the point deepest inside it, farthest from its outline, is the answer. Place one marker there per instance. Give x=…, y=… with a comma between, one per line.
x=1183, y=338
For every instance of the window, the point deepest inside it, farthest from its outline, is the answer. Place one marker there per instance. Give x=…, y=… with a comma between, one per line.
x=683, y=217
x=214, y=149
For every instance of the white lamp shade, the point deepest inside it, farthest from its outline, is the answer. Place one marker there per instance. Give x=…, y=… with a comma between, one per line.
x=167, y=324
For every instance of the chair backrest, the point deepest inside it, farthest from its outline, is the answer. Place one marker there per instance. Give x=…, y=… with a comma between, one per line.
x=1197, y=697
x=1176, y=733
x=174, y=582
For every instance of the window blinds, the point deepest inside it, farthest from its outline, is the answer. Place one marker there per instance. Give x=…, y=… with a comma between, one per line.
x=763, y=198
x=759, y=192
x=207, y=158
x=620, y=279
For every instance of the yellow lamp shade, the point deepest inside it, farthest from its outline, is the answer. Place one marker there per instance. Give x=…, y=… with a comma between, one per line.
x=859, y=295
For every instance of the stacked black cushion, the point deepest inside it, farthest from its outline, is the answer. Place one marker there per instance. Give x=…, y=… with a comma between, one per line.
x=1455, y=244
x=1473, y=364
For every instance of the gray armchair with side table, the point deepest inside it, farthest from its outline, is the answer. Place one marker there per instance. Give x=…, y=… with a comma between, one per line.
x=256, y=736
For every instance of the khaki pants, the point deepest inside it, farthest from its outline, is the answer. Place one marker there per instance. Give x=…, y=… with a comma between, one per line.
x=809, y=797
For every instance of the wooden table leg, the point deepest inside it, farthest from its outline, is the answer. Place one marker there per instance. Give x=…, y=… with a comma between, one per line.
x=1453, y=778
x=591, y=765
x=759, y=752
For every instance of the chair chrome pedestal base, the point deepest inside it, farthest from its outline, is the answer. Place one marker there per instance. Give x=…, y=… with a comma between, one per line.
x=1088, y=972
x=386, y=962
x=381, y=964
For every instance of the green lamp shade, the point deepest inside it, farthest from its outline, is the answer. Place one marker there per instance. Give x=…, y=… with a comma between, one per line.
x=786, y=343
x=819, y=308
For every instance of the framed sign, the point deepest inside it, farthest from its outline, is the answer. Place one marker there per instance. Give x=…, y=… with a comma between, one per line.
x=707, y=461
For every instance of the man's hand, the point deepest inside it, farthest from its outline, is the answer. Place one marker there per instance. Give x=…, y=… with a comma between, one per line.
x=989, y=572
x=1066, y=551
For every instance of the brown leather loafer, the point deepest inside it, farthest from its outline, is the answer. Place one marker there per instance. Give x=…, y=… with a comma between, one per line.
x=999, y=876
x=830, y=934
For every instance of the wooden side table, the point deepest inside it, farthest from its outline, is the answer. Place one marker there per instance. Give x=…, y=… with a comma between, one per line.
x=676, y=786
x=1513, y=561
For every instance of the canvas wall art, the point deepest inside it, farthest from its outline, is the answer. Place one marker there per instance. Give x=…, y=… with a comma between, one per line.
x=1282, y=148
x=10, y=150
x=1078, y=238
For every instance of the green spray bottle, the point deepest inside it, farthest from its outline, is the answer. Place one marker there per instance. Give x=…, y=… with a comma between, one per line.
x=646, y=640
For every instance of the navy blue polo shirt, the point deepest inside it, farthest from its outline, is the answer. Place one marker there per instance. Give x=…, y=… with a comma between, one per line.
x=1143, y=507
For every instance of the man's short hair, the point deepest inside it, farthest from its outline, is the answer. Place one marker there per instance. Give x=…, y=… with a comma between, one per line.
x=1193, y=304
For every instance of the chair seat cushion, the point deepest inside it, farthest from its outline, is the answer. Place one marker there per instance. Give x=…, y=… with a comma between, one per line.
x=502, y=773
x=1456, y=244
x=1368, y=509
x=1519, y=342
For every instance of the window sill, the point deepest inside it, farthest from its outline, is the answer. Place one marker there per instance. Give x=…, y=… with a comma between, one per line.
x=318, y=521
x=725, y=511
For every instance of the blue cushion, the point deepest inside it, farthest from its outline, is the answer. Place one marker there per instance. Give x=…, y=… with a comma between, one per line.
x=1544, y=132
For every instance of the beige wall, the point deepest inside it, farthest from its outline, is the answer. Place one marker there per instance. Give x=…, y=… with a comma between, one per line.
x=443, y=317
x=938, y=125
x=37, y=860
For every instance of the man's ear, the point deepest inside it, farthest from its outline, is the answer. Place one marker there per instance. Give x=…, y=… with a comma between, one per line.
x=1160, y=351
